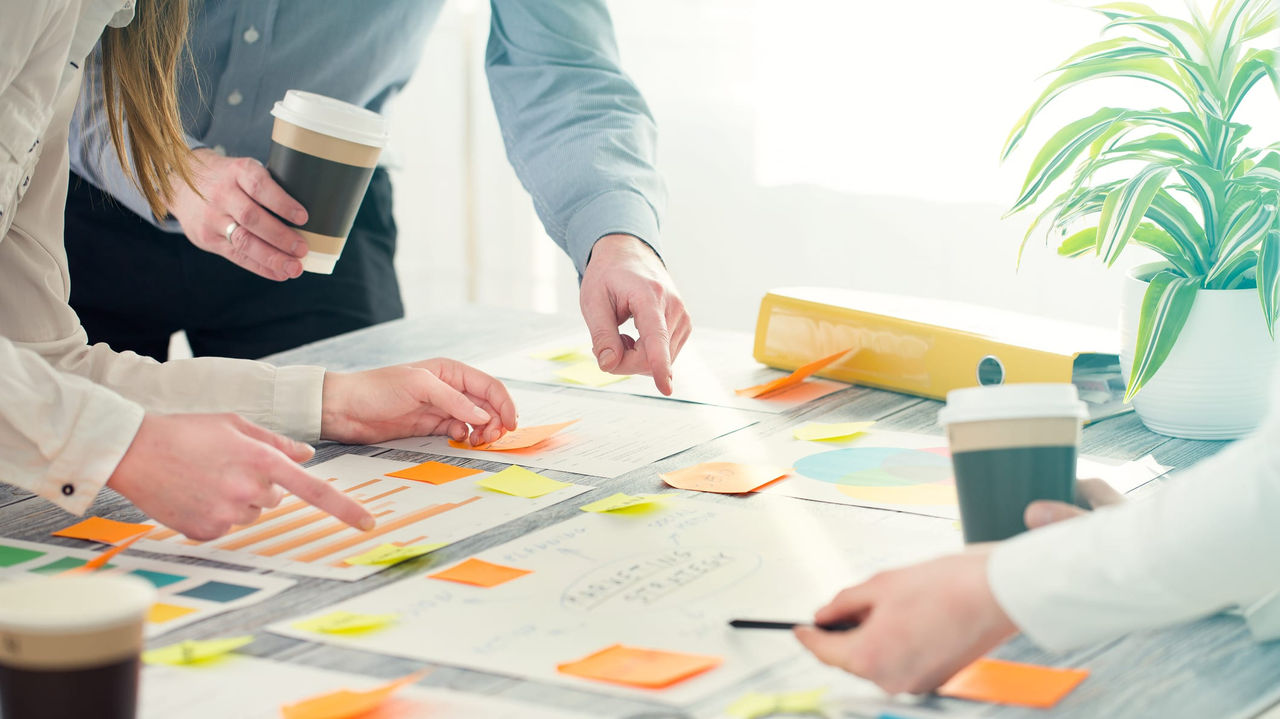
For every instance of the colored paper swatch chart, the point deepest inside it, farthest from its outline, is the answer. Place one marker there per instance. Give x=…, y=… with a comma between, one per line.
x=300, y=539
x=709, y=369
x=186, y=593
x=901, y=471
x=663, y=583
x=612, y=435
x=263, y=687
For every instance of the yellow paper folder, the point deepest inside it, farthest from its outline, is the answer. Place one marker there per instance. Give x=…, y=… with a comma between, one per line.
x=928, y=347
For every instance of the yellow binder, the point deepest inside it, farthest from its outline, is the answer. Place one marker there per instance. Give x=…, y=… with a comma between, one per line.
x=928, y=347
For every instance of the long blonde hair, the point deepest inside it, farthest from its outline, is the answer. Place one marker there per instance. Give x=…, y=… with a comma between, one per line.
x=139, y=75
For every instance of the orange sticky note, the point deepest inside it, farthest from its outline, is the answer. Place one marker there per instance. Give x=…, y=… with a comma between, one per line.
x=107, y=531
x=434, y=473
x=346, y=703
x=1001, y=682
x=723, y=477
x=480, y=573
x=632, y=666
x=518, y=438
x=792, y=379
x=101, y=560
x=161, y=612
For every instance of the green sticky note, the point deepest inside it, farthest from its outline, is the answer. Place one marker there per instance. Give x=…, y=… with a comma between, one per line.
x=10, y=556
x=520, y=482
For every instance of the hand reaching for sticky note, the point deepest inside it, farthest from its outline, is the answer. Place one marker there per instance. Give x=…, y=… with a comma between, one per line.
x=436, y=396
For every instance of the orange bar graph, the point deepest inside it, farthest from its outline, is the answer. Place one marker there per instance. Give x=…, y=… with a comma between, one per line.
x=376, y=497
x=418, y=516
x=305, y=539
x=268, y=532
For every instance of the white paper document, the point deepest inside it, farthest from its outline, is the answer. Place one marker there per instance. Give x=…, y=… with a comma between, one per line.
x=246, y=687
x=612, y=435
x=667, y=579
x=186, y=593
x=902, y=471
x=711, y=366
x=300, y=539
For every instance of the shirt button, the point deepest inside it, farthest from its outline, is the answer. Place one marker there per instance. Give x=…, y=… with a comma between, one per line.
x=251, y=35
x=220, y=150
x=235, y=98
x=68, y=490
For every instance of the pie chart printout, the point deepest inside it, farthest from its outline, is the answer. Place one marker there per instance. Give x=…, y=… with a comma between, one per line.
x=885, y=474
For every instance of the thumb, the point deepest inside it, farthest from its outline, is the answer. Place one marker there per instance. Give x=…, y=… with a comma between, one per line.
x=1043, y=512
x=430, y=389
x=602, y=323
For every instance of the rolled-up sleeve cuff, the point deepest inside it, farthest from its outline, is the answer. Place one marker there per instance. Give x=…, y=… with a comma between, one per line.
x=615, y=212
x=296, y=405
x=102, y=434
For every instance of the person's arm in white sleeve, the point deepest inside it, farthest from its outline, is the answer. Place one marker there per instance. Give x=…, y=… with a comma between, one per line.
x=1206, y=542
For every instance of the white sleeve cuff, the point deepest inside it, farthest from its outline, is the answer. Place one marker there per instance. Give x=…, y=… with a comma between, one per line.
x=102, y=434
x=296, y=404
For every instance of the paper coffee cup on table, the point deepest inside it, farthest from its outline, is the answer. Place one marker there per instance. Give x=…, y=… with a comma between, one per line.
x=1010, y=446
x=323, y=153
x=70, y=646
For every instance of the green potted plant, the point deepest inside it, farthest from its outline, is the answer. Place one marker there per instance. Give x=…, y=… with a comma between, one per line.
x=1197, y=327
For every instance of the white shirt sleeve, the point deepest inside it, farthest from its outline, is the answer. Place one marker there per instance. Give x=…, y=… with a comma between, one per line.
x=1208, y=541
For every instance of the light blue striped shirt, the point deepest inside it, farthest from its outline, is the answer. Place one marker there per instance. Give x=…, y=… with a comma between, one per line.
x=577, y=131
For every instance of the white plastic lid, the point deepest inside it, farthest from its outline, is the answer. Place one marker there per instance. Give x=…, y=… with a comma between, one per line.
x=1012, y=401
x=335, y=118
x=54, y=605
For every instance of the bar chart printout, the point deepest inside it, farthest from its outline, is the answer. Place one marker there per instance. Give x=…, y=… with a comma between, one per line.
x=300, y=539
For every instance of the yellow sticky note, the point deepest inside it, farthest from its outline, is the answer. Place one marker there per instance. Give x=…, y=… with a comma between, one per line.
x=161, y=612
x=753, y=706
x=392, y=554
x=589, y=374
x=346, y=703
x=580, y=353
x=723, y=477
x=520, y=482
x=619, y=501
x=827, y=432
x=193, y=651
x=343, y=622
x=809, y=701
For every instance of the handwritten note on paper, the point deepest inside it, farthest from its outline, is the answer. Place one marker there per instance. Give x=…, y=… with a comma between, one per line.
x=1003, y=682
x=345, y=622
x=347, y=703
x=100, y=529
x=193, y=651
x=830, y=432
x=519, y=438
x=620, y=501
x=434, y=473
x=520, y=482
x=387, y=554
x=723, y=477
x=791, y=380
x=589, y=374
x=480, y=573
x=633, y=666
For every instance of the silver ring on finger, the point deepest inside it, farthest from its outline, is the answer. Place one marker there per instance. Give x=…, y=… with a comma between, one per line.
x=230, y=229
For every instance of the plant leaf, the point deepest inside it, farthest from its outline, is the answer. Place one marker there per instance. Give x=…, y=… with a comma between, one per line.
x=1125, y=208
x=1165, y=308
x=1208, y=187
x=1181, y=225
x=1061, y=150
x=1156, y=239
x=1249, y=218
x=1269, y=278
x=1079, y=243
x=1255, y=65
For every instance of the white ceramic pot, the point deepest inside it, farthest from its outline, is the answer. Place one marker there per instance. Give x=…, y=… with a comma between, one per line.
x=1216, y=381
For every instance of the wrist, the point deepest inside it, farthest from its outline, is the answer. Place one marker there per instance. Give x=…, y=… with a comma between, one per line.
x=333, y=401
x=621, y=245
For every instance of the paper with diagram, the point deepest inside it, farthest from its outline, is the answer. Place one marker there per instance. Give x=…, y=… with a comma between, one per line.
x=612, y=435
x=902, y=471
x=666, y=580
x=300, y=539
x=711, y=366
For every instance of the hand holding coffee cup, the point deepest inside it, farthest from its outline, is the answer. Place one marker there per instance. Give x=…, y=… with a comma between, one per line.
x=323, y=153
x=1011, y=445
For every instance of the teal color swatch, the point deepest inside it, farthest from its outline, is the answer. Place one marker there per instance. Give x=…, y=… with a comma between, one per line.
x=219, y=592
x=158, y=579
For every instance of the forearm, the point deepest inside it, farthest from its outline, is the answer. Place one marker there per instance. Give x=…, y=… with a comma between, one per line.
x=1205, y=542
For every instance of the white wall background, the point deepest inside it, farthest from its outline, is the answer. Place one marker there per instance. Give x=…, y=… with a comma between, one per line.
x=821, y=142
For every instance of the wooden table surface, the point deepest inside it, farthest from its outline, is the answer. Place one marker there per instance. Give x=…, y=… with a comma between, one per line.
x=1210, y=668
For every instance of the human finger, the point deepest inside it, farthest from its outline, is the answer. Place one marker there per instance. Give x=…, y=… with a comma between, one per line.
x=851, y=604
x=837, y=649
x=1044, y=512
x=1097, y=493
x=297, y=451
x=601, y=316
x=270, y=498
x=430, y=389
x=247, y=515
x=322, y=495
x=258, y=183
x=252, y=253
x=490, y=394
x=655, y=338
x=244, y=208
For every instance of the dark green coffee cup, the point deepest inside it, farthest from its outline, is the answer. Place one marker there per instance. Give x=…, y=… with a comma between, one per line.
x=1010, y=446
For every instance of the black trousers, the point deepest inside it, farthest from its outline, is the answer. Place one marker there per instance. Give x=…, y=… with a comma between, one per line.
x=134, y=285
